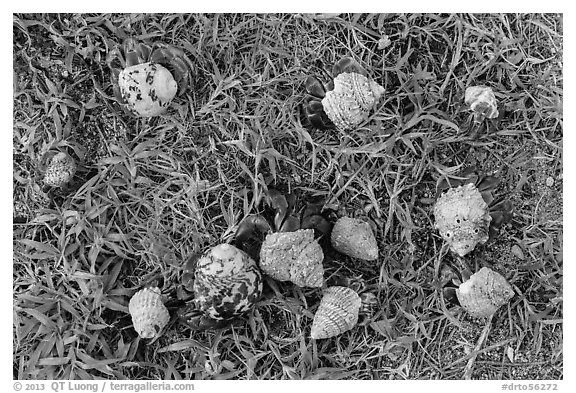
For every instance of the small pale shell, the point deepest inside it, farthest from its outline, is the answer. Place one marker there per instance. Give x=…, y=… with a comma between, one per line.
x=293, y=256
x=354, y=237
x=227, y=282
x=482, y=100
x=463, y=219
x=149, y=314
x=60, y=170
x=147, y=88
x=337, y=312
x=484, y=293
x=353, y=97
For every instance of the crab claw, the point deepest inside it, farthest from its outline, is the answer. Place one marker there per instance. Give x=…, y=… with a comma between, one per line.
x=450, y=295
x=314, y=115
x=279, y=203
x=314, y=87
x=347, y=64
x=501, y=211
x=313, y=219
x=249, y=225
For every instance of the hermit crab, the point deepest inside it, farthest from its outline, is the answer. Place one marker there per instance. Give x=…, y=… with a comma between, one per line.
x=345, y=102
x=222, y=284
x=59, y=170
x=148, y=312
x=290, y=251
x=147, y=77
x=483, y=104
x=484, y=293
x=467, y=213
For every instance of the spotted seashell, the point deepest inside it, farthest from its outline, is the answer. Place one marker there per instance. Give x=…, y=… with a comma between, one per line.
x=147, y=88
x=484, y=293
x=149, y=314
x=227, y=282
x=482, y=100
x=337, y=312
x=293, y=256
x=463, y=218
x=60, y=170
x=353, y=97
x=354, y=237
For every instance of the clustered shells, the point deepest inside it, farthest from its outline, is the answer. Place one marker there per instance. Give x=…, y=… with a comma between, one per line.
x=227, y=282
x=482, y=100
x=149, y=314
x=463, y=218
x=337, y=312
x=353, y=97
x=60, y=170
x=354, y=237
x=484, y=293
x=293, y=256
x=147, y=88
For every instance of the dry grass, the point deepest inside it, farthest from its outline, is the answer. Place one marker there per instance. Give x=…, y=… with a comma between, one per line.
x=172, y=186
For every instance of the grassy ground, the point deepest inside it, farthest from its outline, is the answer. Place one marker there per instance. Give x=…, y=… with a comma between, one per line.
x=151, y=193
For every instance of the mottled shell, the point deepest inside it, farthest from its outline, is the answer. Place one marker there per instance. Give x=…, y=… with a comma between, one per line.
x=353, y=97
x=354, y=237
x=227, y=282
x=293, y=256
x=149, y=314
x=463, y=219
x=147, y=88
x=60, y=170
x=482, y=100
x=484, y=293
x=337, y=312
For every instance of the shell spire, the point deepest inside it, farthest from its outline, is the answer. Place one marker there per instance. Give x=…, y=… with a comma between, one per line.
x=149, y=314
x=337, y=312
x=293, y=256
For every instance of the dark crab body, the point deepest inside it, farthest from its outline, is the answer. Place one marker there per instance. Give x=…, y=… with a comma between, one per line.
x=224, y=283
x=467, y=213
x=147, y=77
x=345, y=102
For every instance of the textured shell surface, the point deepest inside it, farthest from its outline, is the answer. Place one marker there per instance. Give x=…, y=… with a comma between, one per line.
x=227, y=282
x=293, y=256
x=463, y=219
x=484, y=292
x=481, y=99
x=149, y=314
x=337, y=312
x=60, y=170
x=147, y=88
x=354, y=237
x=350, y=102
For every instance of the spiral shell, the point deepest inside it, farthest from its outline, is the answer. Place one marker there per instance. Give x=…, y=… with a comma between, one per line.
x=293, y=256
x=227, y=282
x=147, y=88
x=482, y=100
x=60, y=170
x=484, y=293
x=353, y=97
x=337, y=312
x=463, y=218
x=354, y=237
x=149, y=314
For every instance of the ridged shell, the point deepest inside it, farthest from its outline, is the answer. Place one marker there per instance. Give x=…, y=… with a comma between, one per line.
x=353, y=97
x=463, y=219
x=149, y=314
x=147, y=88
x=293, y=256
x=60, y=170
x=336, y=314
x=484, y=293
x=354, y=237
x=227, y=282
x=482, y=100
